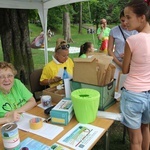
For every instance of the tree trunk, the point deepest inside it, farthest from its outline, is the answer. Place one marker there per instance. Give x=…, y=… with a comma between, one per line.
x=15, y=41
x=80, y=20
x=66, y=27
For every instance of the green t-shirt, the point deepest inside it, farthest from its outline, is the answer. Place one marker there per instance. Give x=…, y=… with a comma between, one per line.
x=17, y=97
x=105, y=34
x=83, y=56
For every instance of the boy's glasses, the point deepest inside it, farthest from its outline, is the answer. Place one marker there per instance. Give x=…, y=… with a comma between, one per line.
x=63, y=47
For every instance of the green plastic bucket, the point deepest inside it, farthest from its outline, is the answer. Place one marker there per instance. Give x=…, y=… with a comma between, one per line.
x=85, y=104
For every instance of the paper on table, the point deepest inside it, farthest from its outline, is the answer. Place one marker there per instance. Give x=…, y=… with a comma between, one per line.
x=41, y=106
x=48, y=131
x=109, y=115
x=60, y=73
x=81, y=137
x=33, y=144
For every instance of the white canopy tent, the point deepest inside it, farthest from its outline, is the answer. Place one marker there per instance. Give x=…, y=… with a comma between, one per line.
x=42, y=6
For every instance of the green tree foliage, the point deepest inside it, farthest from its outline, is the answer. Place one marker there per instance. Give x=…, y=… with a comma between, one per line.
x=85, y=13
x=93, y=11
x=33, y=15
x=109, y=10
x=55, y=16
x=54, y=20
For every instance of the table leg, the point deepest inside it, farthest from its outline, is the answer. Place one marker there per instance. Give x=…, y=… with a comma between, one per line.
x=107, y=136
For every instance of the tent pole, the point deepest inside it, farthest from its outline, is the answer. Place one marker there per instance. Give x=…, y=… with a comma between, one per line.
x=43, y=18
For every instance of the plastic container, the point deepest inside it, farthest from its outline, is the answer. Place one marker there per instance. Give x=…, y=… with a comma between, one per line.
x=85, y=104
x=65, y=73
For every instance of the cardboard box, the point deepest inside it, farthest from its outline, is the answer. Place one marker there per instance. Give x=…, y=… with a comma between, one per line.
x=55, y=94
x=62, y=112
x=107, y=92
x=96, y=70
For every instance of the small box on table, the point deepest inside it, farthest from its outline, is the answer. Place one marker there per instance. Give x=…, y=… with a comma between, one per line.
x=62, y=112
x=55, y=94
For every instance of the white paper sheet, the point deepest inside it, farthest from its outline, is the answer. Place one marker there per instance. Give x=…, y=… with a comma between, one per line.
x=81, y=137
x=48, y=131
x=41, y=106
x=109, y=115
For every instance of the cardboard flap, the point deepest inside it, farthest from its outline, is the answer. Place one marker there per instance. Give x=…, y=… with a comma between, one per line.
x=101, y=74
x=96, y=70
x=96, y=53
x=84, y=59
x=85, y=71
x=100, y=56
x=110, y=73
x=104, y=58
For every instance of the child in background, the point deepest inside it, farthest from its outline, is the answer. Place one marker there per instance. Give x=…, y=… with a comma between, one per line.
x=85, y=49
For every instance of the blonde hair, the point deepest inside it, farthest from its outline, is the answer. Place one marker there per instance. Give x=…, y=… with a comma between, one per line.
x=5, y=65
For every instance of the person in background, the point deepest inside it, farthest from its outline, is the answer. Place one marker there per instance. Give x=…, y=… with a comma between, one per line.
x=135, y=98
x=53, y=71
x=102, y=35
x=38, y=42
x=15, y=98
x=49, y=34
x=85, y=49
x=116, y=43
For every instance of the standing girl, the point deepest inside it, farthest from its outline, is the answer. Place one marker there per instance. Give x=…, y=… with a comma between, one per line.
x=117, y=38
x=135, y=99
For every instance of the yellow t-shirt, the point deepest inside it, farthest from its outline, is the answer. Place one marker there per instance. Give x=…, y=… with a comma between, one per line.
x=53, y=69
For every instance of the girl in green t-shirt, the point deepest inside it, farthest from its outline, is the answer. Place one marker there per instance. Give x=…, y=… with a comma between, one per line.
x=85, y=49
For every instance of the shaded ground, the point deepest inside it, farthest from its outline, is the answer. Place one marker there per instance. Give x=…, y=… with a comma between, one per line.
x=116, y=139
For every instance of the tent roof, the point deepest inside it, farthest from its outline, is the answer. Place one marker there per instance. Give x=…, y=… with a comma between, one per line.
x=35, y=4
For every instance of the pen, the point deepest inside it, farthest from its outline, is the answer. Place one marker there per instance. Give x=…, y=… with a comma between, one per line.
x=47, y=120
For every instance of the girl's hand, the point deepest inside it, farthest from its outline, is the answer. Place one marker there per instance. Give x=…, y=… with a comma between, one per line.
x=57, y=79
x=122, y=55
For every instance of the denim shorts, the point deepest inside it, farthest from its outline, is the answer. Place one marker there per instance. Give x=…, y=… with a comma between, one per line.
x=135, y=108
